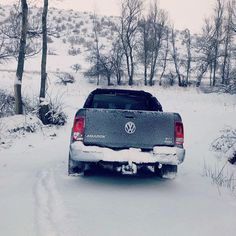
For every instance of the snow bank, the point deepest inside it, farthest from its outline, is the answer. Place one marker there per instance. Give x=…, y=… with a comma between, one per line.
x=17, y=126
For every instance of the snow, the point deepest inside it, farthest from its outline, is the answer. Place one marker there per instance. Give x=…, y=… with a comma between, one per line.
x=17, y=81
x=17, y=126
x=38, y=198
x=164, y=155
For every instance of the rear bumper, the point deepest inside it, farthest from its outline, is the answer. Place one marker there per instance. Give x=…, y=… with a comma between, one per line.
x=162, y=155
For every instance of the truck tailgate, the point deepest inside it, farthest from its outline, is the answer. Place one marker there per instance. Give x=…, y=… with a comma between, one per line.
x=128, y=129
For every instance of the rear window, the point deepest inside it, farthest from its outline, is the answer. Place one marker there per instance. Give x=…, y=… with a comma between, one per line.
x=119, y=101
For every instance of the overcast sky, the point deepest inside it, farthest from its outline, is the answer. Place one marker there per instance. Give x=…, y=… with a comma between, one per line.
x=183, y=13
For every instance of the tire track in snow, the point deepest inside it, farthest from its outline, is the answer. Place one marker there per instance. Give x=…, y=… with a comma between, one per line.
x=50, y=214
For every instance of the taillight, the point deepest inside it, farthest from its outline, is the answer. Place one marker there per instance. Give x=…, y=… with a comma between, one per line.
x=78, y=128
x=179, y=133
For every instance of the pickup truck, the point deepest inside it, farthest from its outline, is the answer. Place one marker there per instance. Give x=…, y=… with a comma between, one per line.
x=125, y=131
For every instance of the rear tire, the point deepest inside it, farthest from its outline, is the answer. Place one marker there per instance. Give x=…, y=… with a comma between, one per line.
x=167, y=171
x=80, y=168
x=89, y=169
x=75, y=167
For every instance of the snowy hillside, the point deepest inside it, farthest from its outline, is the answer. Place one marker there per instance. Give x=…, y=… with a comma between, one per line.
x=37, y=197
x=71, y=37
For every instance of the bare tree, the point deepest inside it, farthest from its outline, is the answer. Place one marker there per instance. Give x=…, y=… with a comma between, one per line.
x=116, y=59
x=21, y=58
x=11, y=31
x=175, y=56
x=233, y=23
x=158, y=20
x=165, y=56
x=10, y=35
x=153, y=29
x=108, y=64
x=106, y=67
x=97, y=48
x=5, y=53
x=228, y=41
x=217, y=36
x=102, y=68
x=187, y=41
x=130, y=15
x=205, y=51
x=145, y=28
x=216, y=44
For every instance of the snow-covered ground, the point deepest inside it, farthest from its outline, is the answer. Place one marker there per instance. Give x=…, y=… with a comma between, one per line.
x=38, y=198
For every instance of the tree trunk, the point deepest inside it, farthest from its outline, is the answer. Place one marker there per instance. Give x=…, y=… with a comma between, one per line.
x=109, y=80
x=21, y=59
x=223, y=77
x=145, y=29
x=211, y=75
x=165, y=57
x=154, y=61
x=203, y=70
x=97, y=48
x=44, y=108
x=145, y=56
x=128, y=68
x=175, y=57
x=145, y=68
x=189, y=60
x=130, y=64
x=218, y=33
x=118, y=78
x=44, y=52
x=145, y=73
x=215, y=64
x=132, y=69
x=227, y=45
x=130, y=14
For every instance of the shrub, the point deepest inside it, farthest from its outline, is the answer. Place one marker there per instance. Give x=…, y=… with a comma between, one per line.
x=76, y=31
x=65, y=78
x=49, y=39
x=89, y=45
x=7, y=107
x=77, y=25
x=76, y=67
x=73, y=51
x=220, y=175
x=225, y=141
x=84, y=30
x=51, y=112
x=167, y=80
x=226, y=144
x=7, y=102
x=52, y=51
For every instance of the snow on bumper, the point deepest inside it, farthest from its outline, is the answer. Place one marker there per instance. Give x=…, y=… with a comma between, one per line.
x=163, y=155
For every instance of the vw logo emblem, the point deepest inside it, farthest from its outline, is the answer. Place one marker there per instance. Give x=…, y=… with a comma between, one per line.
x=130, y=127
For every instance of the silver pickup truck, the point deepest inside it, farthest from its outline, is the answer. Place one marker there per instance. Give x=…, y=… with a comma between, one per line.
x=125, y=131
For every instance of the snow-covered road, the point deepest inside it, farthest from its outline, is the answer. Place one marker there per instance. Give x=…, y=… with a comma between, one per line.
x=38, y=198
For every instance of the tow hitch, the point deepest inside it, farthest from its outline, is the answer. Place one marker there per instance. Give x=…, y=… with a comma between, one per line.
x=129, y=169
